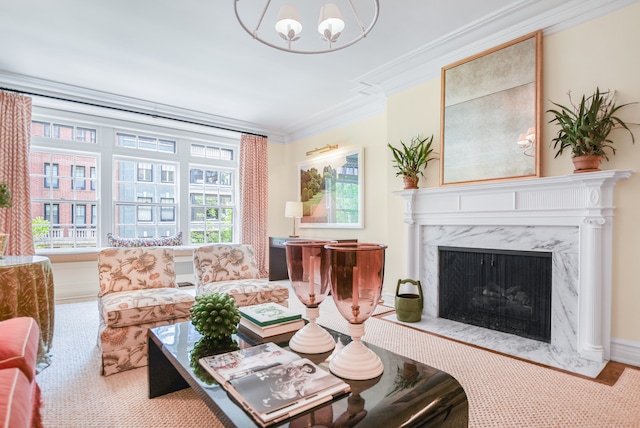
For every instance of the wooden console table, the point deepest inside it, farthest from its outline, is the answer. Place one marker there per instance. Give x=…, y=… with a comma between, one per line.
x=26, y=290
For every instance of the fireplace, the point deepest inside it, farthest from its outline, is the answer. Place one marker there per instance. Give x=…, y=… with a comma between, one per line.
x=569, y=217
x=508, y=291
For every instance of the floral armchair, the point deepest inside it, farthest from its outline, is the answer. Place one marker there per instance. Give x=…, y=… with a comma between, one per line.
x=138, y=291
x=232, y=269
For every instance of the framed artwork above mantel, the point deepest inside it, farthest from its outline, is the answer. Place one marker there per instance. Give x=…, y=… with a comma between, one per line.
x=331, y=189
x=491, y=112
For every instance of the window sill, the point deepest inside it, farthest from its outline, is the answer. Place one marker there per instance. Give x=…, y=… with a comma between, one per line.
x=91, y=254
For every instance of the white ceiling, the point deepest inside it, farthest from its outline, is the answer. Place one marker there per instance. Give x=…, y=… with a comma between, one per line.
x=192, y=58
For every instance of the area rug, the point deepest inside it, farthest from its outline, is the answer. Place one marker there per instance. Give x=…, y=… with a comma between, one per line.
x=502, y=391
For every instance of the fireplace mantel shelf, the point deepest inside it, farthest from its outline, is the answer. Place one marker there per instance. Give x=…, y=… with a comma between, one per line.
x=568, y=198
x=528, y=212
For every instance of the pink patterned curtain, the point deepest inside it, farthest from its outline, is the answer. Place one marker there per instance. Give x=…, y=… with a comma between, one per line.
x=15, y=134
x=253, y=196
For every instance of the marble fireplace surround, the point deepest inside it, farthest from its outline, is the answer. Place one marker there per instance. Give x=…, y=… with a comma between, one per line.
x=570, y=216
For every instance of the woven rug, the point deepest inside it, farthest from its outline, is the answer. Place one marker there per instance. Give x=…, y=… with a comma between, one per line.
x=502, y=391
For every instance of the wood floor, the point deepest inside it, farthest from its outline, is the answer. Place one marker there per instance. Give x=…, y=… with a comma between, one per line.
x=612, y=371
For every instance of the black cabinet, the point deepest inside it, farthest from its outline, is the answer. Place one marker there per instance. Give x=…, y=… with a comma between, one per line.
x=278, y=256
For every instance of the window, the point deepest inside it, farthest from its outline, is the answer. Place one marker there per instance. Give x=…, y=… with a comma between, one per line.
x=86, y=135
x=58, y=208
x=143, y=142
x=144, y=203
x=52, y=214
x=80, y=215
x=145, y=172
x=92, y=177
x=77, y=171
x=73, y=207
x=51, y=171
x=167, y=174
x=211, y=210
x=211, y=152
x=145, y=213
x=94, y=215
x=64, y=132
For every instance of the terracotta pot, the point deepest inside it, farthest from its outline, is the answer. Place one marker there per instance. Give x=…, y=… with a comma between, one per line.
x=410, y=182
x=587, y=163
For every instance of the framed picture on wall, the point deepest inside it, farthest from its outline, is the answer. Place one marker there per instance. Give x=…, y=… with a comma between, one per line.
x=331, y=189
x=491, y=114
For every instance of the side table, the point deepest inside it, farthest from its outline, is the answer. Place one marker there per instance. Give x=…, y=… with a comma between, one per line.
x=26, y=290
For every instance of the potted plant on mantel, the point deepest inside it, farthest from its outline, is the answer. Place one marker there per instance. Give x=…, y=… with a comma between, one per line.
x=5, y=202
x=585, y=128
x=410, y=160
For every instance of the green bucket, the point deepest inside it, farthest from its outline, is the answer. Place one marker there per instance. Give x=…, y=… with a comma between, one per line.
x=408, y=305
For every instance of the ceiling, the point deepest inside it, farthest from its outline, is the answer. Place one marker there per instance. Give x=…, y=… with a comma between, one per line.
x=192, y=58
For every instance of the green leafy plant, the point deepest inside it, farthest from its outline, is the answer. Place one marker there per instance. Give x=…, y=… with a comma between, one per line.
x=585, y=127
x=410, y=160
x=215, y=315
x=5, y=196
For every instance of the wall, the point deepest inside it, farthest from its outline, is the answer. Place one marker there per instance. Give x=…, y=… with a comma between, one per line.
x=602, y=52
x=371, y=135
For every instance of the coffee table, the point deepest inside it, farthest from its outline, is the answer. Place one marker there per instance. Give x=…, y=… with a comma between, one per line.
x=408, y=393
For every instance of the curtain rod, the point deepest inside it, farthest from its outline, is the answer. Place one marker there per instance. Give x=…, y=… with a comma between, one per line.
x=155, y=116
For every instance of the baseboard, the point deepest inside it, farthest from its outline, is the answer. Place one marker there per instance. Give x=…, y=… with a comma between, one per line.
x=80, y=292
x=625, y=351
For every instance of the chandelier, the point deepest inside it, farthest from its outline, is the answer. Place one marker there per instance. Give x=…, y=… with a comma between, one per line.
x=334, y=32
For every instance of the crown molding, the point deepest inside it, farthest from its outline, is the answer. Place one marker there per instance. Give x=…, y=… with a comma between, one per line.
x=426, y=62
x=361, y=106
x=370, y=90
x=57, y=95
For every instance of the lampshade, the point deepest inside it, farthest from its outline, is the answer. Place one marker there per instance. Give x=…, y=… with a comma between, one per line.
x=330, y=24
x=293, y=209
x=288, y=24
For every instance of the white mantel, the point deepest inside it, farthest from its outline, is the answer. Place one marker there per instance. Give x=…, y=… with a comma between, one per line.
x=569, y=215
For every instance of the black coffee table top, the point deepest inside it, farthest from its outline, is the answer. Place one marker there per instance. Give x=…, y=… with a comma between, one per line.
x=408, y=392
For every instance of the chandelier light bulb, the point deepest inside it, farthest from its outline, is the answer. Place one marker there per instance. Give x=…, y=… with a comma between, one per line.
x=330, y=24
x=288, y=24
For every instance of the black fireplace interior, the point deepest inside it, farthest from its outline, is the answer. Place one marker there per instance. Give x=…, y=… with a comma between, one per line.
x=508, y=291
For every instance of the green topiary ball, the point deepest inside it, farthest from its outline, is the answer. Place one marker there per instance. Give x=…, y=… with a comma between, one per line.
x=215, y=315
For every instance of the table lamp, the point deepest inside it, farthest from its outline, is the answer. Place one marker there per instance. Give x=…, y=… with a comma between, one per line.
x=293, y=210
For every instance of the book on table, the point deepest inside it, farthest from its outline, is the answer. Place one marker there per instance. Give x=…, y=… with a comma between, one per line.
x=273, y=384
x=270, y=313
x=272, y=330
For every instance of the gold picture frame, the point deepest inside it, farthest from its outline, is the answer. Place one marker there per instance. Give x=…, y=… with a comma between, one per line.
x=491, y=113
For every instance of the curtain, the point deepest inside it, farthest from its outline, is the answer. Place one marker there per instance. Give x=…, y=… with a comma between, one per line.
x=253, y=196
x=15, y=134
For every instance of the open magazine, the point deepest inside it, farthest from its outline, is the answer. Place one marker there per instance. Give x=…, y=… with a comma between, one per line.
x=273, y=386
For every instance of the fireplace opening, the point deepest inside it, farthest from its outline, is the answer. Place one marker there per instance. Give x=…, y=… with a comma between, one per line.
x=503, y=290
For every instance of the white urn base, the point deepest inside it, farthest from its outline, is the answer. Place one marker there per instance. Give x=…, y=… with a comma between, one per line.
x=312, y=339
x=355, y=361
